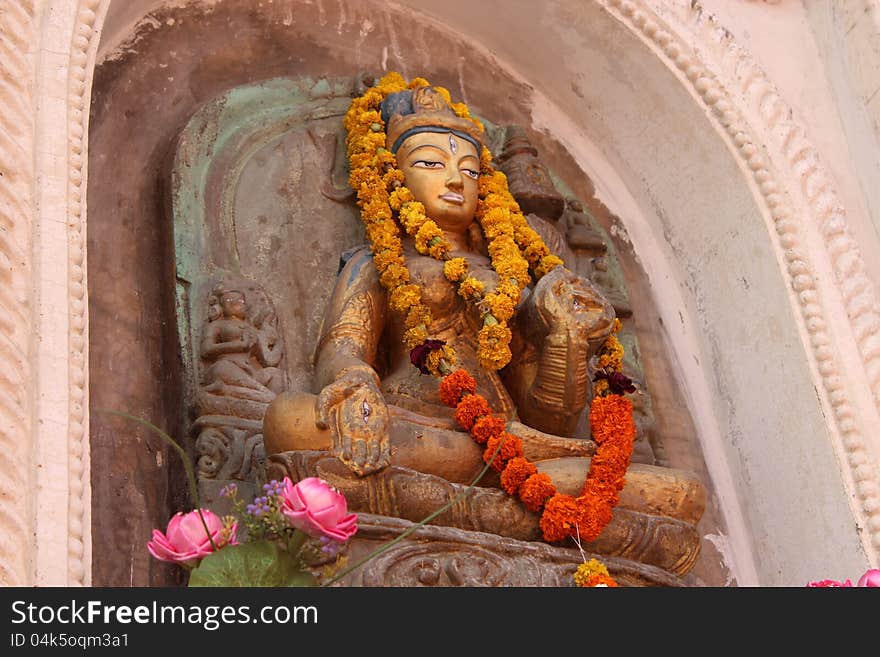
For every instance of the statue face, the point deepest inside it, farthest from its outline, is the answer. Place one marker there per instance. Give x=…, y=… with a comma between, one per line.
x=233, y=304
x=441, y=171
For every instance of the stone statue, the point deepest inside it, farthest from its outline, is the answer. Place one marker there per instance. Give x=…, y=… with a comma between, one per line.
x=376, y=427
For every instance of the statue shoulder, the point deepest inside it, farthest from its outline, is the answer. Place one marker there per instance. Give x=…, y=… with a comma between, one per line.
x=357, y=275
x=356, y=254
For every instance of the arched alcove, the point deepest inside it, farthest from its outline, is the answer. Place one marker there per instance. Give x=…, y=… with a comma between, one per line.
x=690, y=158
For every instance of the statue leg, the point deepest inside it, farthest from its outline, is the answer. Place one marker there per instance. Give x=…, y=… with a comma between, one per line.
x=427, y=445
x=654, y=522
x=272, y=378
x=418, y=442
x=229, y=379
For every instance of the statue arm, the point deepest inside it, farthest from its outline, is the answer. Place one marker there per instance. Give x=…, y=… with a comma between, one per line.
x=353, y=322
x=560, y=326
x=350, y=402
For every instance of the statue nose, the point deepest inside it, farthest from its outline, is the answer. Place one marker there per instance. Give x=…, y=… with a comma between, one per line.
x=454, y=181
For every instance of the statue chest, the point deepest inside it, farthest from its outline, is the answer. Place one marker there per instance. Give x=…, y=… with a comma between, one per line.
x=441, y=295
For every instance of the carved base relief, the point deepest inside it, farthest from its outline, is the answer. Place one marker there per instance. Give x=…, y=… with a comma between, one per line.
x=444, y=556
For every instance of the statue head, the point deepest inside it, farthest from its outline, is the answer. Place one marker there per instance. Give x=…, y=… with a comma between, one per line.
x=438, y=153
x=232, y=303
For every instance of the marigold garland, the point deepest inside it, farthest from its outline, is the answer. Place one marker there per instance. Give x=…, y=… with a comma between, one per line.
x=515, y=474
x=613, y=429
x=455, y=385
x=514, y=249
x=535, y=491
x=510, y=448
x=486, y=427
x=470, y=408
x=593, y=573
x=513, y=246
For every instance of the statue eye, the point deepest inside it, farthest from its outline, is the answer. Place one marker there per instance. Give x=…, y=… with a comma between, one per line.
x=428, y=164
x=470, y=173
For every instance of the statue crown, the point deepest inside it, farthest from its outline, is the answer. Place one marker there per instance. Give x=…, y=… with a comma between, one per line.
x=423, y=109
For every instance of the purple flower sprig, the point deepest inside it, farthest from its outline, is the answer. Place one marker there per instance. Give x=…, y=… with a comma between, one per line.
x=329, y=546
x=262, y=517
x=310, y=520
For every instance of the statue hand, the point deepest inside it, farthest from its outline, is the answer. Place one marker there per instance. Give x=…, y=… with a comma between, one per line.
x=567, y=302
x=354, y=410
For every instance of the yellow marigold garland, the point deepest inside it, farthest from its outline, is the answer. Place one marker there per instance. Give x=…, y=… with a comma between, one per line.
x=593, y=573
x=381, y=193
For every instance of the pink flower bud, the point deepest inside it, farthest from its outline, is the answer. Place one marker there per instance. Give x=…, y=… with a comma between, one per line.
x=318, y=509
x=185, y=541
x=870, y=578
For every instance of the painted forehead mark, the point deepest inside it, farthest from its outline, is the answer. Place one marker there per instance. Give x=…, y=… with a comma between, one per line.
x=452, y=145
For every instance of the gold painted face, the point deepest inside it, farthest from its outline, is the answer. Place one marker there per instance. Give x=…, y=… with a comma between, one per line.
x=441, y=171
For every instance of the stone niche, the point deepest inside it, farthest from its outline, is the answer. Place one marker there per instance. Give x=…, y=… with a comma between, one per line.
x=235, y=179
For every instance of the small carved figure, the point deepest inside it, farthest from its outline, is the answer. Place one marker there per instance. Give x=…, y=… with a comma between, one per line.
x=242, y=356
x=528, y=179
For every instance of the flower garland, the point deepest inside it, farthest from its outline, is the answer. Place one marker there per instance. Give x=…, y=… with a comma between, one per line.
x=514, y=248
x=593, y=573
x=613, y=429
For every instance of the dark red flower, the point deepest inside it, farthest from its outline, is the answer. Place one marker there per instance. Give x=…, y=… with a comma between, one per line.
x=419, y=354
x=618, y=383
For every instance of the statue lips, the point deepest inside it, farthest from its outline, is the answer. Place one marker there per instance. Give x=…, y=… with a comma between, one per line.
x=453, y=197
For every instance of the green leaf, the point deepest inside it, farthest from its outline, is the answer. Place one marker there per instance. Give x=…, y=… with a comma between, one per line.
x=260, y=563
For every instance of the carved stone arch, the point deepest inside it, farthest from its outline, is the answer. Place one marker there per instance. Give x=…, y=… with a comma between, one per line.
x=48, y=57
x=830, y=309
x=835, y=306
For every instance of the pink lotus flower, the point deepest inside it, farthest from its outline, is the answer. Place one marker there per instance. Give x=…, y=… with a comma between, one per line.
x=829, y=583
x=318, y=509
x=870, y=578
x=185, y=541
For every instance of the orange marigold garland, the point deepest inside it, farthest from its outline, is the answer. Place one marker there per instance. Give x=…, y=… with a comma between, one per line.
x=535, y=491
x=510, y=448
x=515, y=474
x=486, y=427
x=470, y=409
x=454, y=386
x=613, y=430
